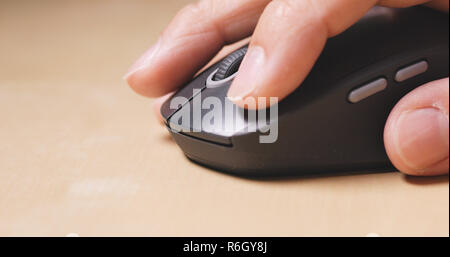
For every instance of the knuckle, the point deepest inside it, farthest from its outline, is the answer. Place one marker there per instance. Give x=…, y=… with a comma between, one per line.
x=281, y=8
x=189, y=10
x=191, y=21
x=307, y=12
x=296, y=8
x=199, y=9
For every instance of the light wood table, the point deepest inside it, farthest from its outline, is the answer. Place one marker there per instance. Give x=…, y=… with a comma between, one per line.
x=81, y=154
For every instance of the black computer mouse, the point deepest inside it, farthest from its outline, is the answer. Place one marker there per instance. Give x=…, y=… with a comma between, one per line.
x=334, y=121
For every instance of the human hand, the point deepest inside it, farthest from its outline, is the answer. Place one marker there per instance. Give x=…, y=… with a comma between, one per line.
x=417, y=131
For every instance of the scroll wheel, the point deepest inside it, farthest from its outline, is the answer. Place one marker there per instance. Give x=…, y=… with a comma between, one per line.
x=230, y=64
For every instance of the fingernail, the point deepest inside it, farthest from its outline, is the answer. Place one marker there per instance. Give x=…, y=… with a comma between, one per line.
x=249, y=72
x=422, y=138
x=144, y=61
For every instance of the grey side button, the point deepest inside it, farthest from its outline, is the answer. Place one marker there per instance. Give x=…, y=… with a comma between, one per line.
x=411, y=71
x=367, y=90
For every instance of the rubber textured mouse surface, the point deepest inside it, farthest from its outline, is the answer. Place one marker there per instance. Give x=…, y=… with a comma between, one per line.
x=334, y=121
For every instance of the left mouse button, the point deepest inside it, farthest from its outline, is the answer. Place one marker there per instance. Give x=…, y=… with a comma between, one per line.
x=185, y=94
x=192, y=120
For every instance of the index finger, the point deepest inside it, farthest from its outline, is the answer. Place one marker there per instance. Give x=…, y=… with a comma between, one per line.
x=193, y=37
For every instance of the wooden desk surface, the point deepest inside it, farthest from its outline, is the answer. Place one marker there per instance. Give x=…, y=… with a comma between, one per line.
x=81, y=153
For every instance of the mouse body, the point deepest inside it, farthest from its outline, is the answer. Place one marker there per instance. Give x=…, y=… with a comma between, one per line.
x=334, y=121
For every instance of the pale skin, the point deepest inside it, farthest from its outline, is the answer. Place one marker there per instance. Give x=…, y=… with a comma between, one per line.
x=416, y=134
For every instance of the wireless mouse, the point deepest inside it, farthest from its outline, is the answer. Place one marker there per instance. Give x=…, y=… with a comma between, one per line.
x=334, y=121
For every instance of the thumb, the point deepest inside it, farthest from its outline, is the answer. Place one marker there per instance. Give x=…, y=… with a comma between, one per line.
x=416, y=135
